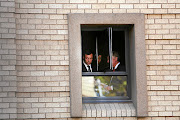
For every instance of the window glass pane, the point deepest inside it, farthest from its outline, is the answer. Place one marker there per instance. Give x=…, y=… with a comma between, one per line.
x=104, y=86
x=96, y=47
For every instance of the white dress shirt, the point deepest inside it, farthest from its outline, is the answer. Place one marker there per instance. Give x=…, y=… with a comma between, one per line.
x=87, y=66
x=116, y=65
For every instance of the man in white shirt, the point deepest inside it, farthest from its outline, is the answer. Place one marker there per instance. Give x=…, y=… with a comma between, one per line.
x=115, y=62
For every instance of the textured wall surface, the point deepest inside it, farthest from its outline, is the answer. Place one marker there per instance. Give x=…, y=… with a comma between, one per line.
x=34, y=59
x=8, y=101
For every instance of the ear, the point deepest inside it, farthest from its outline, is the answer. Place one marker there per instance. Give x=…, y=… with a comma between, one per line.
x=116, y=58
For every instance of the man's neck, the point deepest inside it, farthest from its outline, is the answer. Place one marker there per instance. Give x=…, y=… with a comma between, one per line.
x=115, y=67
x=86, y=64
x=115, y=64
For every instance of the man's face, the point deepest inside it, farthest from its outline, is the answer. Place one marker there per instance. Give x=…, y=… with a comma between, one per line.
x=114, y=60
x=99, y=58
x=88, y=59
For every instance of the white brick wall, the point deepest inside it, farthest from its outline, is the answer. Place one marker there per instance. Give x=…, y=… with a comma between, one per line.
x=7, y=60
x=42, y=60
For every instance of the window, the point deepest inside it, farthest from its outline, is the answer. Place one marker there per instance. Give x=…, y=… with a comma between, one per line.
x=135, y=70
x=105, y=52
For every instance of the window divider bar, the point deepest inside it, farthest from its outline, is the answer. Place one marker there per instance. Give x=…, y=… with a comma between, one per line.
x=104, y=73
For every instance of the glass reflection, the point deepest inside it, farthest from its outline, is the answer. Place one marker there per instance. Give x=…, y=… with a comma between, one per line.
x=104, y=86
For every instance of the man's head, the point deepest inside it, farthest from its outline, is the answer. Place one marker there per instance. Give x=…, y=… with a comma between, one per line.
x=115, y=58
x=88, y=57
x=99, y=58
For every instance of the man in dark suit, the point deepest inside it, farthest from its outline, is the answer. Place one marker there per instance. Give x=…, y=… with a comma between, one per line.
x=87, y=62
x=116, y=62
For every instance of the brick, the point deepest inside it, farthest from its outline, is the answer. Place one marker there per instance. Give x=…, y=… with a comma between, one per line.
x=37, y=73
x=39, y=105
x=28, y=57
x=4, y=105
x=60, y=110
x=55, y=5
x=77, y=11
x=26, y=5
x=56, y=16
x=43, y=37
x=31, y=110
x=8, y=25
x=38, y=115
x=3, y=9
x=30, y=100
x=48, y=1
x=171, y=98
x=41, y=5
x=105, y=11
x=45, y=110
x=53, y=52
x=157, y=87
x=76, y=1
x=104, y=1
x=173, y=10
x=53, y=115
x=52, y=105
x=43, y=57
x=169, y=46
x=171, y=87
x=127, y=6
x=63, y=11
x=118, y=1
x=37, y=62
x=35, y=31
x=98, y=6
x=51, y=73
x=160, y=11
x=154, y=5
x=83, y=6
x=49, y=11
x=62, y=1
x=133, y=11
x=158, y=108
x=169, y=36
x=34, y=10
x=49, y=22
x=112, y=6
x=165, y=113
x=168, y=5
x=163, y=82
x=34, y=1
x=162, y=31
x=147, y=11
x=43, y=67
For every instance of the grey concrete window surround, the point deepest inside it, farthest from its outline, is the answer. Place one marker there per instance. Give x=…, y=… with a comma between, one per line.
x=137, y=57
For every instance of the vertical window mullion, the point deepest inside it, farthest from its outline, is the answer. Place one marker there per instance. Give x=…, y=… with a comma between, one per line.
x=110, y=47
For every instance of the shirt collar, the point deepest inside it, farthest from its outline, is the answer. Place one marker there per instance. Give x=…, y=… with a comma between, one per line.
x=116, y=65
x=86, y=64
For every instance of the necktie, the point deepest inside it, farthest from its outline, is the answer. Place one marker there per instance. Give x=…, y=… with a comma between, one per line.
x=89, y=70
x=113, y=69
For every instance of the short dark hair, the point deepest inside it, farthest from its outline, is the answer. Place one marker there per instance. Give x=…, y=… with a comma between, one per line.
x=114, y=53
x=87, y=52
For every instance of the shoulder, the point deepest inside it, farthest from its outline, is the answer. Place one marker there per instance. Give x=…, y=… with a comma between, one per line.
x=120, y=68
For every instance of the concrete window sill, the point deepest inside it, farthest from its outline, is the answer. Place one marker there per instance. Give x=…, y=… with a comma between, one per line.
x=109, y=110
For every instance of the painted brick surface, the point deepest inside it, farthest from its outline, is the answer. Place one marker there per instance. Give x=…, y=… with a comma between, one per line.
x=34, y=58
x=8, y=85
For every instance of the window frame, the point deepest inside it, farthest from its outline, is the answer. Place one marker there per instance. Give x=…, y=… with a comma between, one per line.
x=127, y=98
x=137, y=57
